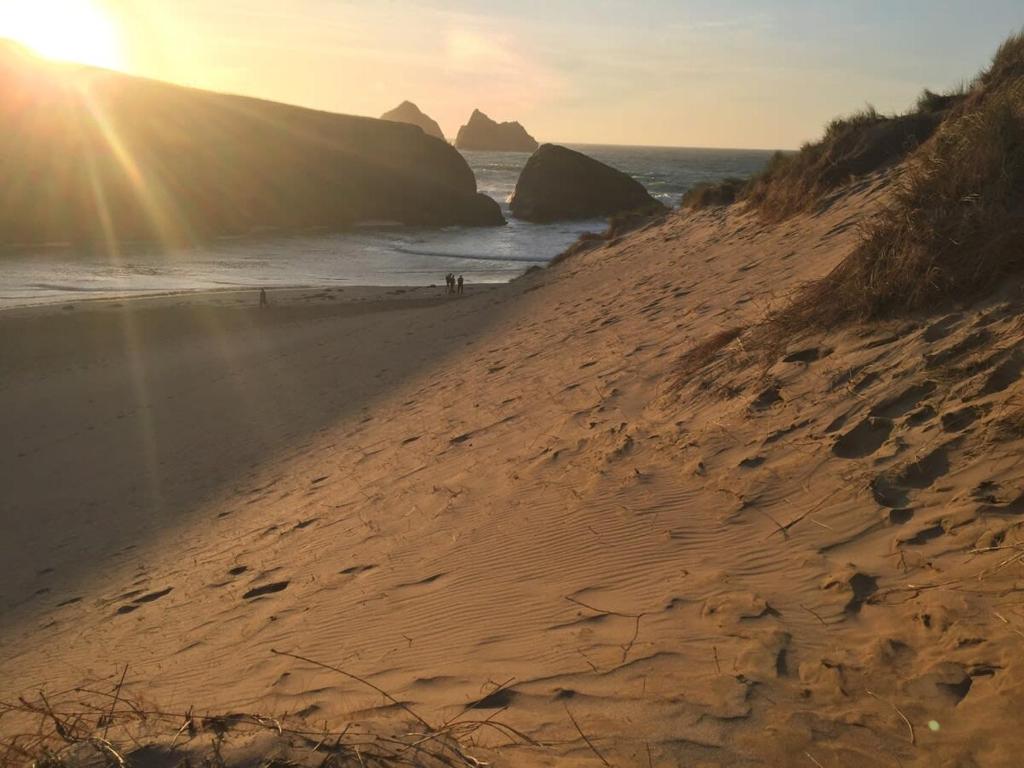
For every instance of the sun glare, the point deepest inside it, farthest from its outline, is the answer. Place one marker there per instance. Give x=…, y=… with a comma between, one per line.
x=73, y=30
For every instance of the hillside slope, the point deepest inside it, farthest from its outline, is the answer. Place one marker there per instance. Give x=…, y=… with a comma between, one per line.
x=97, y=156
x=726, y=564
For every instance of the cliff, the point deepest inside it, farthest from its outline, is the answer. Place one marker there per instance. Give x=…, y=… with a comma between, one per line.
x=407, y=112
x=483, y=133
x=89, y=155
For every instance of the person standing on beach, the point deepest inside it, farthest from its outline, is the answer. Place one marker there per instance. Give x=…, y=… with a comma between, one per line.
x=263, y=298
x=460, y=285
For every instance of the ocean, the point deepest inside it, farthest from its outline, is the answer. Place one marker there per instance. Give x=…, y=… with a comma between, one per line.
x=366, y=256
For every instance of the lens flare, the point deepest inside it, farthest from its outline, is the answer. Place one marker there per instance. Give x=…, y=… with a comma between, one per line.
x=73, y=30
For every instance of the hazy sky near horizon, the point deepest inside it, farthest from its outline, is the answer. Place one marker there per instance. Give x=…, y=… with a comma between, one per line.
x=725, y=73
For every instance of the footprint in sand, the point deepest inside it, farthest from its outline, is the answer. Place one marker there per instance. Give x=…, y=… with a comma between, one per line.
x=266, y=589
x=497, y=700
x=856, y=586
x=957, y=350
x=941, y=329
x=891, y=488
x=866, y=382
x=959, y=420
x=140, y=601
x=864, y=439
x=902, y=403
x=355, y=570
x=923, y=536
x=767, y=398
x=837, y=423
x=422, y=582
x=946, y=683
x=900, y=516
x=809, y=355
x=1004, y=375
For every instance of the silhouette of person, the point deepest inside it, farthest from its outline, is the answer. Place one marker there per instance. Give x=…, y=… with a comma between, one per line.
x=450, y=279
x=460, y=285
x=263, y=298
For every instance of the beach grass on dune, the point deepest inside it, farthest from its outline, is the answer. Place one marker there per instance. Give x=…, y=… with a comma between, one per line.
x=954, y=225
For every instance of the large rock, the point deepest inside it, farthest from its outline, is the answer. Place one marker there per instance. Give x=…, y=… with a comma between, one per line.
x=483, y=133
x=407, y=112
x=89, y=155
x=558, y=183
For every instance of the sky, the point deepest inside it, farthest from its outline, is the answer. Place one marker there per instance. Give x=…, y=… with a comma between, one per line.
x=718, y=73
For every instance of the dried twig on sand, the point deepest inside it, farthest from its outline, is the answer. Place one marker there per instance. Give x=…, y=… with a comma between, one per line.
x=910, y=726
x=365, y=682
x=56, y=728
x=635, y=616
x=113, y=703
x=586, y=739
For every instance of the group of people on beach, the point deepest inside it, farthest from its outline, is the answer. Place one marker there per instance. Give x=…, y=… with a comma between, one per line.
x=454, y=286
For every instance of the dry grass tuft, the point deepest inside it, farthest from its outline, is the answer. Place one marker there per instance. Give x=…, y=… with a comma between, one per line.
x=954, y=227
x=1007, y=65
x=696, y=358
x=112, y=728
x=851, y=147
x=708, y=194
x=618, y=225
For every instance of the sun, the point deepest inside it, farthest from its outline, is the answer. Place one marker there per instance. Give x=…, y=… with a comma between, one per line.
x=73, y=30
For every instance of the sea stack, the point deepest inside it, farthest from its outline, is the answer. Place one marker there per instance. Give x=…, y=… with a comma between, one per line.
x=485, y=134
x=407, y=112
x=559, y=183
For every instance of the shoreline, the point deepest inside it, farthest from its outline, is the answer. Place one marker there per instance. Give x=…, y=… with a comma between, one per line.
x=242, y=297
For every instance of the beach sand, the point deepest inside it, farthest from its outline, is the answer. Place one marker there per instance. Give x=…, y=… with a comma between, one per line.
x=806, y=562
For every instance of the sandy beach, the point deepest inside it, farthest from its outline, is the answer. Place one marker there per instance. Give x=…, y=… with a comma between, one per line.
x=518, y=500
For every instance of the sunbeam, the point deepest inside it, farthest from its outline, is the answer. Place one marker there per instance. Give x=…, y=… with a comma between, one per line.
x=73, y=30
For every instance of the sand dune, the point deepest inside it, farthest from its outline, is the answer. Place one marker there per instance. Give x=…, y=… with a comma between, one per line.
x=754, y=565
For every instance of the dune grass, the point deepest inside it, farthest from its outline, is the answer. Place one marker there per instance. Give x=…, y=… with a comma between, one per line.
x=618, y=225
x=850, y=147
x=954, y=226
x=115, y=728
x=703, y=353
x=708, y=194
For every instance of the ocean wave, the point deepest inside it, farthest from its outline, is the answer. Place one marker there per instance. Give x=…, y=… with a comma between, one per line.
x=66, y=288
x=473, y=257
